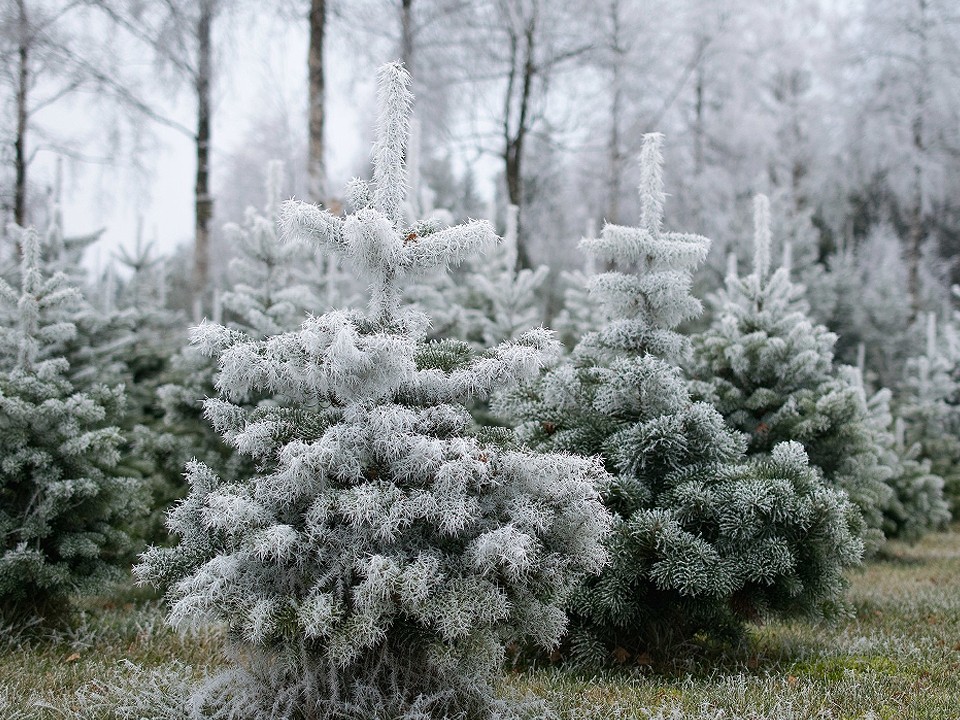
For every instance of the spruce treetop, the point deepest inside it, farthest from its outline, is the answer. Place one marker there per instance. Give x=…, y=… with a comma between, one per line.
x=271, y=285
x=375, y=238
x=761, y=237
x=651, y=295
x=38, y=316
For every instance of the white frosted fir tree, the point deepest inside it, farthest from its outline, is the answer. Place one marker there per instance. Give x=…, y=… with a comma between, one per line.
x=270, y=290
x=929, y=405
x=500, y=301
x=383, y=555
x=703, y=540
x=918, y=505
x=63, y=503
x=488, y=300
x=770, y=371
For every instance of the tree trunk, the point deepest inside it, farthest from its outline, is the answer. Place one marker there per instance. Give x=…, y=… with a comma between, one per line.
x=202, y=197
x=406, y=30
x=699, y=134
x=20, y=142
x=514, y=139
x=698, y=123
x=316, y=162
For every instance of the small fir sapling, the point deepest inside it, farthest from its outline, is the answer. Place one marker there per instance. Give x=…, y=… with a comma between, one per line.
x=87, y=349
x=882, y=320
x=487, y=301
x=918, y=505
x=63, y=503
x=62, y=253
x=270, y=281
x=770, y=371
x=703, y=540
x=859, y=296
x=929, y=405
x=499, y=301
x=142, y=334
x=383, y=554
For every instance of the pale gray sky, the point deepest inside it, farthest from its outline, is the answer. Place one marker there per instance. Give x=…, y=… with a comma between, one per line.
x=113, y=196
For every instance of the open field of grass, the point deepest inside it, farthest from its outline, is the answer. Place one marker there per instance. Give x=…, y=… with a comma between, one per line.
x=898, y=658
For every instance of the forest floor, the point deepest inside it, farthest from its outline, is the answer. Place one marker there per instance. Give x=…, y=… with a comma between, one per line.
x=897, y=657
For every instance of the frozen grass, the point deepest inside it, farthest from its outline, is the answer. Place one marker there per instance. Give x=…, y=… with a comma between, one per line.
x=118, y=651
x=898, y=658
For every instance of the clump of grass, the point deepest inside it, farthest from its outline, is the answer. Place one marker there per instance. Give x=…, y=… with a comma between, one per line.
x=116, y=660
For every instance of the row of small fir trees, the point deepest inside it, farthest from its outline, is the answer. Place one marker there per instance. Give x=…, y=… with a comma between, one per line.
x=370, y=548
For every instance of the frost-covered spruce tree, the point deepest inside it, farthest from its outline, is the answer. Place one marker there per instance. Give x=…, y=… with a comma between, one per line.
x=380, y=560
x=140, y=334
x=270, y=291
x=929, y=404
x=703, y=540
x=918, y=505
x=488, y=300
x=63, y=505
x=770, y=372
x=499, y=301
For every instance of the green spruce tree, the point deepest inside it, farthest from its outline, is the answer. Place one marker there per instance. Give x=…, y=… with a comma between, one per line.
x=703, y=540
x=918, y=505
x=580, y=313
x=929, y=405
x=770, y=371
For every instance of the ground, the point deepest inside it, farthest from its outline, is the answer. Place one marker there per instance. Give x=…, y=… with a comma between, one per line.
x=897, y=656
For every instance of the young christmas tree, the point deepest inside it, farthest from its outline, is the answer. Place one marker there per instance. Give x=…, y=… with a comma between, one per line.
x=499, y=301
x=271, y=289
x=138, y=333
x=929, y=405
x=63, y=505
x=382, y=556
x=918, y=504
x=703, y=540
x=770, y=372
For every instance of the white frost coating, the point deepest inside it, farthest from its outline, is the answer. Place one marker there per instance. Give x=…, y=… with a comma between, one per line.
x=651, y=184
x=510, y=236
